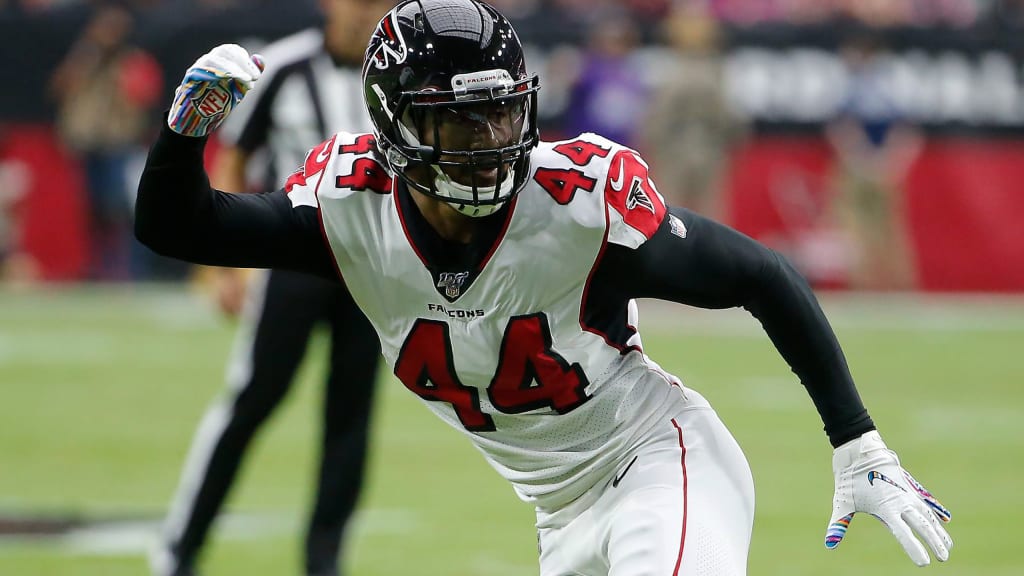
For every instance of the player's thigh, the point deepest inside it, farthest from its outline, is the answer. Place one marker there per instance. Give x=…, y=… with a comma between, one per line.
x=687, y=507
x=574, y=550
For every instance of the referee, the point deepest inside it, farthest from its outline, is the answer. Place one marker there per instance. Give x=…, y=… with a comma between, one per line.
x=312, y=87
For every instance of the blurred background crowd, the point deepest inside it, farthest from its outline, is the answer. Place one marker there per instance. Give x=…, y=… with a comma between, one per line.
x=877, y=143
x=958, y=13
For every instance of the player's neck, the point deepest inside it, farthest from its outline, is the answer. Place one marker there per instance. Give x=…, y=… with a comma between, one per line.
x=444, y=219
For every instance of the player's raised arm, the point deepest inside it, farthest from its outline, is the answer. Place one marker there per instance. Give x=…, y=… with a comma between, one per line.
x=696, y=261
x=178, y=214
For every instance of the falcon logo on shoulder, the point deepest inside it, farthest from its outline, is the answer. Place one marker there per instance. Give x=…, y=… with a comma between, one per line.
x=637, y=197
x=451, y=283
x=390, y=45
x=633, y=195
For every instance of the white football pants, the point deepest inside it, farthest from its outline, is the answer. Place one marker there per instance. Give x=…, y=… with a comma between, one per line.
x=684, y=506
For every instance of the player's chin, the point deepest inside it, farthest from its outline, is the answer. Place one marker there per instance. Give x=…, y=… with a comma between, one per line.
x=487, y=177
x=479, y=177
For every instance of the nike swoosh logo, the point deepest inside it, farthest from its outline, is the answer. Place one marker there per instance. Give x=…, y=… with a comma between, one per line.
x=617, y=183
x=874, y=475
x=615, y=482
x=323, y=155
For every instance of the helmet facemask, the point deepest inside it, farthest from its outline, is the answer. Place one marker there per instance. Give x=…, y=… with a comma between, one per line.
x=468, y=146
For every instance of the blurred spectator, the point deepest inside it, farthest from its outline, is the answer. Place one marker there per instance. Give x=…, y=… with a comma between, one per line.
x=872, y=13
x=15, y=265
x=956, y=13
x=608, y=95
x=540, y=23
x=649, y=10
x=105, y=89
x=810, y=12
x=746, y=12
x=878, y=13
x=1005, y=13
x=689, y=130
x=517, y=9
x=874, y=148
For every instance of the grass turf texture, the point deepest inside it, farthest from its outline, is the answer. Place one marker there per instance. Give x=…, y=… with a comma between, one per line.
x=101, y=389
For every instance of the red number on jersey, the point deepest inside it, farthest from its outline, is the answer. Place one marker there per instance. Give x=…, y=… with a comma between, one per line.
x=581, y=152
x=632, y=194
x=363, y=145
x=563, y=184
x=316, y=161
x=367, y=174
x=426, y=367
x=531, y=375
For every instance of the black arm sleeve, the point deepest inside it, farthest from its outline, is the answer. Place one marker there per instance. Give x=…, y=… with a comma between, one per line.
x=178, y=214
x=718, y=267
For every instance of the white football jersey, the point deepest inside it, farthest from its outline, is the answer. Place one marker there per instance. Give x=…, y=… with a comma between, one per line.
x=503, y=353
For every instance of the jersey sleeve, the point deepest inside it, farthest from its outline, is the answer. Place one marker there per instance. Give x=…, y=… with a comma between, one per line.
x=302, y=184
x=342, y=165
x=635, y=207
x=618, y=181
x=178, y=214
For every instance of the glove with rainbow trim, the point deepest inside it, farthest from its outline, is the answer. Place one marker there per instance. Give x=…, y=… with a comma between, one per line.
x=869, y=479
x=211, y=88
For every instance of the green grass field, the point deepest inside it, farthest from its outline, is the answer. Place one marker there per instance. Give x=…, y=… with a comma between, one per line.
x=100, y=390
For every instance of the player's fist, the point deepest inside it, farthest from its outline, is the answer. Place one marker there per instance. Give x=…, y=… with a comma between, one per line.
x=869, y=478
x=211, y=88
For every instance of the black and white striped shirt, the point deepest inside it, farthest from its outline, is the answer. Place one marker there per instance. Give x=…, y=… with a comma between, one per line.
x=302, y=98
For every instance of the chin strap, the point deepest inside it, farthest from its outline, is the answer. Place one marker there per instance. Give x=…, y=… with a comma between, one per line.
x=448, y=188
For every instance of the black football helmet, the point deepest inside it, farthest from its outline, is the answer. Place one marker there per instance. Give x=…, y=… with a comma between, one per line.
x=446, y=86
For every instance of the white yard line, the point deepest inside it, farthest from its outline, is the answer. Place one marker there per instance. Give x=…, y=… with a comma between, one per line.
x=129, y=537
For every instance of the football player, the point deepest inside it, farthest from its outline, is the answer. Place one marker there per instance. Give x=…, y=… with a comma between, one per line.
x=500, y=272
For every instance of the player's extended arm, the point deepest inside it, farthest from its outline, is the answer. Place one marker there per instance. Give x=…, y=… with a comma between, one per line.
x=179, y=215
x=715, y=266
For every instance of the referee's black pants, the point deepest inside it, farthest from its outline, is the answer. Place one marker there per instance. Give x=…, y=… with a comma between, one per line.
x=263, y=366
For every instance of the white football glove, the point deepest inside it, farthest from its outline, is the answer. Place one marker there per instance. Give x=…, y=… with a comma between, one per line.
x=869, y=479
x=211, y=88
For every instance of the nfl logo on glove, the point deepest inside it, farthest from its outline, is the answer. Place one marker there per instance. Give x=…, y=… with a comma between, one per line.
x=212, y=101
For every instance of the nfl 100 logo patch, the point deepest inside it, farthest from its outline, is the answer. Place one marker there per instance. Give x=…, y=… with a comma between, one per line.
x=451, y=283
